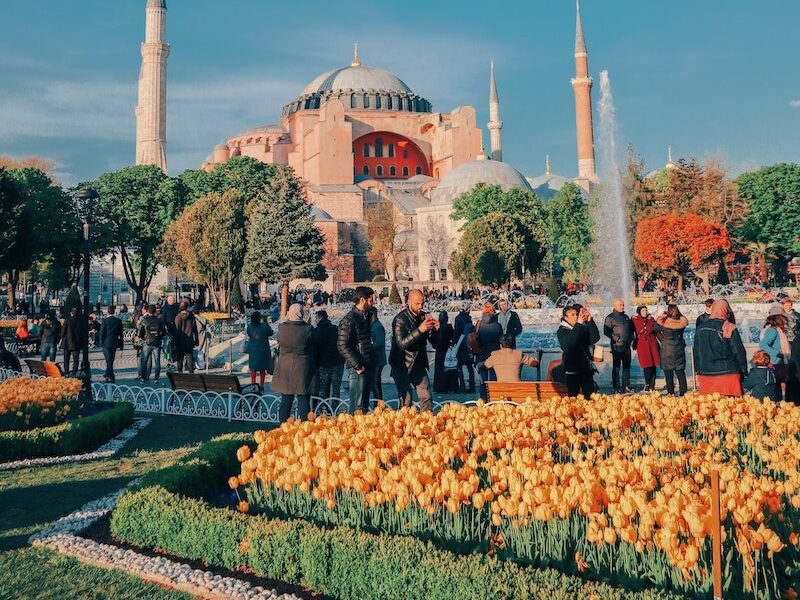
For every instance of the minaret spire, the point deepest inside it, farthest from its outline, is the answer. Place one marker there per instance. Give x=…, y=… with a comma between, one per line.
x=582, y=85
x=547, y=165
x=151, y=109
x=495, y=124
x=670, y=164
x=356, y=62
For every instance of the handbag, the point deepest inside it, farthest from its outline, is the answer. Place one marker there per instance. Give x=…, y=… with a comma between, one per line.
x=451, y=358
x=597, y=353
x=473, y=343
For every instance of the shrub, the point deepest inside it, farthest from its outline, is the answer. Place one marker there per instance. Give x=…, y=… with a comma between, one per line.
x=394, y=295
x=67, y=438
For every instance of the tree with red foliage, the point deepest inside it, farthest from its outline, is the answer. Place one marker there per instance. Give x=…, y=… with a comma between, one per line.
x=680, y=243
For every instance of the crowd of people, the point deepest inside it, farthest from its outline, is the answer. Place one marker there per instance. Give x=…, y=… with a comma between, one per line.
x=720, y=359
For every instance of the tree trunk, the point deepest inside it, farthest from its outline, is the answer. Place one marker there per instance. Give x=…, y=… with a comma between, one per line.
x=680, y=283
x=13, y=280
x=284, y=298
x=764, y=274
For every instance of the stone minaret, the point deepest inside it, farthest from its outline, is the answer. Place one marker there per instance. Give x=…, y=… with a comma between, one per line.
x=582, y=84
x=151, y=111
x=494, y=124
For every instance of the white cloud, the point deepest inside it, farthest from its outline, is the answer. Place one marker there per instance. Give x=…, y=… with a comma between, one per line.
x=795, y=103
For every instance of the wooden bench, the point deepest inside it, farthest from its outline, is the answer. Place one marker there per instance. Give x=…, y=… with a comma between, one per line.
x=519, y=391
x=203, y=382
x=44, y=368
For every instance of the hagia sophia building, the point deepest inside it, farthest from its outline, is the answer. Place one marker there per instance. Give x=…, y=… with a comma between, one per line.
x=358, y=135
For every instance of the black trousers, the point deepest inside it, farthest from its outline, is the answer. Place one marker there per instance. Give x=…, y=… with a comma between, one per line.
x=621, y=361
x=74, y=355
x=417, y=378
x=110, y=354
x=650, y=378
x=184, y=361
x=580, y=383
x=377, y=387
x=670, y=375
x=303, y=406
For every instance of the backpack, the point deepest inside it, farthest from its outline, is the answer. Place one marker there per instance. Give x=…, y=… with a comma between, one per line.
x=152, y=333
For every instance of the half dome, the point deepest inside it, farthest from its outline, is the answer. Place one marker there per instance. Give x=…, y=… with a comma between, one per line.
x=465, y=177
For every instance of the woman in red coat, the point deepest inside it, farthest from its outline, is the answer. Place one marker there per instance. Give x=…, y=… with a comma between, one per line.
x=646, y=343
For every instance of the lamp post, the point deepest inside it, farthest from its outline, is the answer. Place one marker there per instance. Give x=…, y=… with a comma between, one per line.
x=86, y=195
x=113, y=263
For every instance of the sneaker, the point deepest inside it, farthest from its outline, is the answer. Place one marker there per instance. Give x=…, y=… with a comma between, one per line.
x=627, y=390
x=156, y=382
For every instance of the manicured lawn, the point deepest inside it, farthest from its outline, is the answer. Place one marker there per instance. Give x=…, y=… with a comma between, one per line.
x=32, y=498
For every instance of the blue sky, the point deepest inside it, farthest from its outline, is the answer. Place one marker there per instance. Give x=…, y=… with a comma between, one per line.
x=710, y=77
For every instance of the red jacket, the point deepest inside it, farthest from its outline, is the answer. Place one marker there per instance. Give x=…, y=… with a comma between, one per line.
x=646, y=341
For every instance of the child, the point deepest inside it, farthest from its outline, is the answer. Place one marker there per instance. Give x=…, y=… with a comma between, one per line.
x=761, y=381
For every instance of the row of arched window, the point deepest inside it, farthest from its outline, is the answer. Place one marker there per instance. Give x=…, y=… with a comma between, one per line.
x=392, y=171
x=377, y=151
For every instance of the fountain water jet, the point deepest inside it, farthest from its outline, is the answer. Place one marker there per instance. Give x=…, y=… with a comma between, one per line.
x=613, y=261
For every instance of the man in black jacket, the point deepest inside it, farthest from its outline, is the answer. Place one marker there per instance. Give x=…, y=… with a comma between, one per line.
x=72, y=339
x=412, y=329
x=330, y=364
x=152, y=332
x=110, y=340
x=619, y=329
x=576, y=335
x=509, y=320
x=355, y=345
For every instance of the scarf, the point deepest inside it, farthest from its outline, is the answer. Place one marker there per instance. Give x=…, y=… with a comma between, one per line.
x=786, y=349
x=720, y=310
x=295, y=312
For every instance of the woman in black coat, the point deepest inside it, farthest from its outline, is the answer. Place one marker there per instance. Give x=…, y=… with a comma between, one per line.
x=295, y=371
x=443, y=381
x=489, y=332
x=673, y=348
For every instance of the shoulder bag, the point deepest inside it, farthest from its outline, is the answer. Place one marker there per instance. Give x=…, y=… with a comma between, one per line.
x=473, y=343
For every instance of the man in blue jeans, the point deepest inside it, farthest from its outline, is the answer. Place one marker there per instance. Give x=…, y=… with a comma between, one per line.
x=152, y=331
x=354, y=343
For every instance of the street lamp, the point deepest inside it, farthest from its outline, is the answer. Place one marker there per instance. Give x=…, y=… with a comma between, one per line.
x=113, y=263
x=86, y=195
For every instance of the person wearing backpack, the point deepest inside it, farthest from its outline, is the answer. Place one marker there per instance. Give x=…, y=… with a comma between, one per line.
x=152, y=332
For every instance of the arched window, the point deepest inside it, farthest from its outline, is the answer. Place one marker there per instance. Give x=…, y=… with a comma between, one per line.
x=377, y=101
x=418, y=170
x=378, y=147
x=389, y=103
x=393, y=171
x=365, y=170
x=366, y=100
x=405, y=152
x=391, y=151
x=352, y=100
x=379, y=171
x=405, y=171
x=366, y=150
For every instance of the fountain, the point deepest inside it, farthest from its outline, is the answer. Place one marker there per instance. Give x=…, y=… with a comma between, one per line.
x=612, y=263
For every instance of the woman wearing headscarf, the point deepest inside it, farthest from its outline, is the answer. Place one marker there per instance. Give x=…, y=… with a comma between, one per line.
x=258, y=350
x=775, y=342
x=295, y=372
x=673, y=348
x=645, y=340
x=720, y=360
x=442, y=345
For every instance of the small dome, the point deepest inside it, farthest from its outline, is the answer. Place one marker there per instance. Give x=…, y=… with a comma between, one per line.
x=320, y=215
x=548, y=185
x=221, y=146
x=465, y=177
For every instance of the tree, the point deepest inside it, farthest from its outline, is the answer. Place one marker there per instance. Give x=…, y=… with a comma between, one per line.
x=388, y=247
x=773, y=194
x=492, y=248
x=45, y=165
x=434, y=235
x=760, y=251
x=568, y=230
x=282, y=241
x=244, y=174
x=680, y=242
x=38, y=223
x=207, y=241
x=394, y=295
x=135, y=207
x=485, y=199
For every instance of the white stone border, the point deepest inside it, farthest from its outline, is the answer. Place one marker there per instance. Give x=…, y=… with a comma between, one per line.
x=110, y=448
x=63, y=537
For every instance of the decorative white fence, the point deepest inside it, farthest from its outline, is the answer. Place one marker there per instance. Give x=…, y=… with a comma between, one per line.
x=261, y=408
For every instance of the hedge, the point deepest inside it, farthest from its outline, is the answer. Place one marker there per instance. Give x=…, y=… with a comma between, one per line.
x=66, y=438
x=340, y=562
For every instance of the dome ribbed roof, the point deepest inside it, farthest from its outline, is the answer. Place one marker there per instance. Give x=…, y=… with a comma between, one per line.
x=359, y=77
x=465, y=177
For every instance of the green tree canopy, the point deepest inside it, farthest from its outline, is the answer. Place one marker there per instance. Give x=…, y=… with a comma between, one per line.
x=485, y=199
x=773, y=194
x=282, y=241
x=207, y=242
x=568, y=229
x=39, y=223
x=242, y=173
x=135, y=207
x=492, y=249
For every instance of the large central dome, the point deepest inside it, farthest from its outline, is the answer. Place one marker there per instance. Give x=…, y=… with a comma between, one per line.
x=359, y=87
x=358, y=77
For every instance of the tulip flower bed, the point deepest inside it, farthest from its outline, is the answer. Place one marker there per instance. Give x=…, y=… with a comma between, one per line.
x=27, y=403
x=616, y=488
